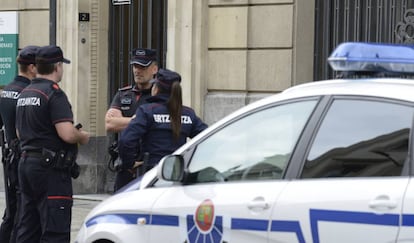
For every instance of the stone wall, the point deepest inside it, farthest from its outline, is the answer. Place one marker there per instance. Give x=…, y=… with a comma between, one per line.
x=252, y=49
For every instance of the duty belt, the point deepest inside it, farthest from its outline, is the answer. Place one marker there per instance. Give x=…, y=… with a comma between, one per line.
x=33, y=154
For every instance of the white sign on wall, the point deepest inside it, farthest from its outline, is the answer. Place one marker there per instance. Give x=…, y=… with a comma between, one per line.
x=121, y=2
x=8, y=22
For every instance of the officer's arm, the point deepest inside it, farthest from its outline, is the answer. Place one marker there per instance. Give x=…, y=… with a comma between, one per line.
x=114, y=121
x=68, y=133
x=198, y=126
x=130, y=137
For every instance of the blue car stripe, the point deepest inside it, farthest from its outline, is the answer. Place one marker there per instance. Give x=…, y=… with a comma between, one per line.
x=317, y=215
x=120, y=218
x=125, y=218
x=408, y=220
x=288, y=226
x=164, y=220
x=249, y=224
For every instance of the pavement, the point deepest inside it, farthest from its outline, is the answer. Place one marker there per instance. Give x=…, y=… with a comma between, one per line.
x=82, y=205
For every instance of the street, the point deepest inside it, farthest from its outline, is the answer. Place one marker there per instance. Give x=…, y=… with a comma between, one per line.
x=81, y=206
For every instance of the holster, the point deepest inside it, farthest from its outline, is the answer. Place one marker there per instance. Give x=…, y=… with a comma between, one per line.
x=68, y=161
x=114, y=163
x=14, y=151
x=63, y=160
x=113, y=150
x=13, y=161
x=49, y=157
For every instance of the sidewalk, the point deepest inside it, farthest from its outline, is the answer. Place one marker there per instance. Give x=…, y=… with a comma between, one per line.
x=92, y=197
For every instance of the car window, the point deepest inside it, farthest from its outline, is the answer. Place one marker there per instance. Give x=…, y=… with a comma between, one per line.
x=360, y=138
x=255, y=147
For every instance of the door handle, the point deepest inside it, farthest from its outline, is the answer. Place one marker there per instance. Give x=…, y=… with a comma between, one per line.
x=258, y=203
x=383, y=203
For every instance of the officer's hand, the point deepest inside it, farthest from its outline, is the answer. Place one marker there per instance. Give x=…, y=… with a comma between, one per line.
x=110, y=113
x=133, y=170
x=84, y=137
x=137, y=164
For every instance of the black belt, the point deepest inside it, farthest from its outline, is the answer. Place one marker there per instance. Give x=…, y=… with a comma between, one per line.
x=33, y=154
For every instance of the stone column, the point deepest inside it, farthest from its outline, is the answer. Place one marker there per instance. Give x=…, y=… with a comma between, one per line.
x=85, y=82
x=187, y=48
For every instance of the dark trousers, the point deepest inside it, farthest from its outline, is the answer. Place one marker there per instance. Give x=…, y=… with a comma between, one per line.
x=122, y=178
x=8, y=226
x=46, y=203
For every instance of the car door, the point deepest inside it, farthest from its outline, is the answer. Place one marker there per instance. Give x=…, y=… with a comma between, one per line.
x=234, y=177
x=354, y=176
x=406, y=233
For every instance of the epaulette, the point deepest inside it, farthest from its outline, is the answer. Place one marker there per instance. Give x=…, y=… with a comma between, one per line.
x=54, y=89
x=55, y=86
x=125, y=88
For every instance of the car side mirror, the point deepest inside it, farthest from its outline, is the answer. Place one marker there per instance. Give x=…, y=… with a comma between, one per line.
x=171, y=168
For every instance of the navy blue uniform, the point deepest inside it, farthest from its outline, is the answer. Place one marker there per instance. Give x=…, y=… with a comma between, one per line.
x=127, y=100
x=8, y=101
x=46, y=192
x=152, y=125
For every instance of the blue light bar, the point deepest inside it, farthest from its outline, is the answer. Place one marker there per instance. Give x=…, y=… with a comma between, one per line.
x=373, y=57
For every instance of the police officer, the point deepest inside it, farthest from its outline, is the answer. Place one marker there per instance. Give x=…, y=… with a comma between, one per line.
x=127, y=100
x=8, y=100
x=163, y=124
x=44, y=122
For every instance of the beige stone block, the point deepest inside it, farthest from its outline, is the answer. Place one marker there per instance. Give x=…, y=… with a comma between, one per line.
x=227, y=2
x=238, y=2
x=270, y=26
x=9, y=5
x=270, y=1
x=219, y=104
x=226, y=70
x=303, y=41
x=34, y=4
x=269, y=70
x=14, y=5
x=34, y=28
x=228, y=27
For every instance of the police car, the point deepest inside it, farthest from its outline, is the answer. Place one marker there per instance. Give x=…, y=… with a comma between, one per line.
x=327, y=161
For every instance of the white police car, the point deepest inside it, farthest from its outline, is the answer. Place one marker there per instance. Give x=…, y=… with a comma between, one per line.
x=328, y=161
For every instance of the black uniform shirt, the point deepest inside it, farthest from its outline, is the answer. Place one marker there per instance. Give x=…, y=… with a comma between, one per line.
x=8, y=101
x=40, y=106
x=129, y=98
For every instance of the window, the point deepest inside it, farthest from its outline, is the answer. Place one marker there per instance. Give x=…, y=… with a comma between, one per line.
x=255, y=147
x=360, y=138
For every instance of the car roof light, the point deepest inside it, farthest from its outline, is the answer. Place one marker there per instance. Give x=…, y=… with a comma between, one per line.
x=373, y=57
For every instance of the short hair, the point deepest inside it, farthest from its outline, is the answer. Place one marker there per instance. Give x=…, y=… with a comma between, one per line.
x=24, y=68
x=45, y=68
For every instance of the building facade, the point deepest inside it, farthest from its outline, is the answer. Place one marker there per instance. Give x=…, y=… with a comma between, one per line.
x=229, y=53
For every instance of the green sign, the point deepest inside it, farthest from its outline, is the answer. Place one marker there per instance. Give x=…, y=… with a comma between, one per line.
x=8, y=46
x=8, y=66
